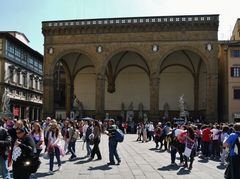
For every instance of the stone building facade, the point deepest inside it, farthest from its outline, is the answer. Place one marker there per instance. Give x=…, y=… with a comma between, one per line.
x=21, y=70
x=111, y=63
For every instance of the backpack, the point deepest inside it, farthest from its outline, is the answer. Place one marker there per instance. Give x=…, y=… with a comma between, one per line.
x=119, y=135
x=75, y=134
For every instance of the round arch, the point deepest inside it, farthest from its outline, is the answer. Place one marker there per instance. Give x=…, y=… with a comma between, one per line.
x=179, y=48
x=119, y=50
x=69, y=51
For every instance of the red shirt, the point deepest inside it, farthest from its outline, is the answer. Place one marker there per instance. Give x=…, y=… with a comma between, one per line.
x=206, y=135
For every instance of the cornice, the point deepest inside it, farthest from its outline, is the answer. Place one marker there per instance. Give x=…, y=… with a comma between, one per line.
x=128, y=25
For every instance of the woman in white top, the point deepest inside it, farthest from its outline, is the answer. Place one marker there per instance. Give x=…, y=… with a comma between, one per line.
x=54, y=146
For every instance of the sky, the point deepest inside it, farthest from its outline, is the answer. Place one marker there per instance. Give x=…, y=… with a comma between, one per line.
x=26, y=16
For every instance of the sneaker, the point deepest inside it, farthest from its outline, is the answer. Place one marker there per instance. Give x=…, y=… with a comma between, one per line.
x=173, y=164
x=111, y=163
x=59, y=168
x=50, y=172
x=118, y=163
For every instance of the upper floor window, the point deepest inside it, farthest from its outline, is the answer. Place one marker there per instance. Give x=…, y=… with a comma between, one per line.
x=11, y=74
x=18, y=78
x=235, y=71
x=235, y=53
x=36, y=84
x=31, y=82
x=236, y=93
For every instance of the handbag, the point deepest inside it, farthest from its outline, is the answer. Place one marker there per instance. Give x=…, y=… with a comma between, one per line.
x=31, y=163
x=188, y=151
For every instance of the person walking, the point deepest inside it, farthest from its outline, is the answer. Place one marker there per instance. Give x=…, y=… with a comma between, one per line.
x=112, y=143
x=23, y=149
x=97, y=139
x=72, y=139
x=54, y=147
x=5, y=142
x=37, y=134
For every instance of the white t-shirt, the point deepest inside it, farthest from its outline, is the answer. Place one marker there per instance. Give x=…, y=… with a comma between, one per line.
x=215, y=134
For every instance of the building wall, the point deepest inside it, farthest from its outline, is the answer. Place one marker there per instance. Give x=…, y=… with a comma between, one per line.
x=234, y=83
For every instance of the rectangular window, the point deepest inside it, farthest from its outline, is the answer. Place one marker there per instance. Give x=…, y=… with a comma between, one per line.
x=236, y=93
x=235, y=71
x=18, y=78
x=11, y=75
x=235, y=53
x=36, y=84
x=25, y=80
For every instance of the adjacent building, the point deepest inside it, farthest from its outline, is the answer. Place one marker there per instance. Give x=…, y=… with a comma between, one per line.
x=21, y=70
x=229, y=77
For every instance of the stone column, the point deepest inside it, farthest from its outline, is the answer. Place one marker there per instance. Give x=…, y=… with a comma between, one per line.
x=48, y=97
x=212, y=97
x=196, y=92
x=100, y=96
x=69, y=98
x=154, y=98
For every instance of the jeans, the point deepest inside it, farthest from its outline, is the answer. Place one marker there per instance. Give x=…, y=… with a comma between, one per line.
x=205, y=149
x=89, y=150
x=96, y=150
x=4, y=168
x=71, y=148
x=112, y=144
x=56, y=151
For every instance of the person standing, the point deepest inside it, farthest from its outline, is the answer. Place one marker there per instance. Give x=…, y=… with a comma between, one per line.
x=112, y=143
x=233, y=144
x=97, y=139
x=5, y=142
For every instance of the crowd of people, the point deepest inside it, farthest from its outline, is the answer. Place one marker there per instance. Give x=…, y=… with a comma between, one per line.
x=21, y=140
x=219, y=142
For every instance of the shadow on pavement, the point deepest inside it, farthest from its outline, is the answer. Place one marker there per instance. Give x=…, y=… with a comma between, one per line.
x=182, y=171
x=222, y=167
x=169, y=167
x=39, y=175
x=203, y=160
x=101, y=167
x=153, y=149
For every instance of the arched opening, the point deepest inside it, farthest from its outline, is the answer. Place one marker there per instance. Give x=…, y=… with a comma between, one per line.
x=127, y=86
x=73, y=73
x=183, y=73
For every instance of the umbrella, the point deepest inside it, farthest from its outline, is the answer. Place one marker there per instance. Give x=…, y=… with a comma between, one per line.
x=87, y=119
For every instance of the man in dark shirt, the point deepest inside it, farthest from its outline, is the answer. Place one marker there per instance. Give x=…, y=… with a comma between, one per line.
x=112, y=144
x=5, y=141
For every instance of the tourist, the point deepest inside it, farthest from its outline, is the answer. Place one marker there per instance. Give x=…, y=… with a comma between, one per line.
x=65, y=134
x=233, y=144
x=72, y=139
x=111, y=130
x=224, y=137
x=24, y=147
x=5, y=142
x=96, y=141
x=206, y=140
x=190, y=144
x=45, y=127
x=54, y=147
x=37, y=134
